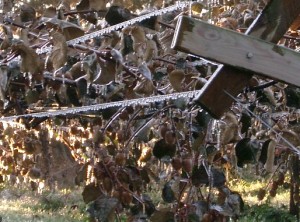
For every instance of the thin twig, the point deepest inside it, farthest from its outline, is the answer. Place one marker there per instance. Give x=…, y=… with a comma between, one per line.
x=291, y=146
x=262, y=86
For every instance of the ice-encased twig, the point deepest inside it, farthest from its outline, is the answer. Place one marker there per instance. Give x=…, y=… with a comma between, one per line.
x=86, y=37
x=124, y=103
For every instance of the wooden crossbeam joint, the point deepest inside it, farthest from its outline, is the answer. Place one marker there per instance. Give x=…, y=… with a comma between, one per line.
x=237, y=50
x=270, y=25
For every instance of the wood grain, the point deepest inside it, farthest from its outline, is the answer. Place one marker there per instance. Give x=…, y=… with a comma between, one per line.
x=270, y=25
x=241, y=51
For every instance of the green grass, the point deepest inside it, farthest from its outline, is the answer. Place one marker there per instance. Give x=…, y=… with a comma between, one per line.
x=269, y=209
x=22, y=205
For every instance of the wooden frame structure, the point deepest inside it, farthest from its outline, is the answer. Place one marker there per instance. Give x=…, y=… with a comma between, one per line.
x=242, y=55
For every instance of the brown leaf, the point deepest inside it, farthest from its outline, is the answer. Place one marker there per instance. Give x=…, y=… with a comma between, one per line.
x=228, y=129
x=69, y=30
x=229, y=23
x=138, y=37
x=290, y=136
x=91, y=192
x=27, y=13
x=163, y=215
x=8, y=36
x=92, y=5
x=151, y=51
x=103, y=209
x=49, y=12
x=107, y=72
x=197, y=7
x=144, y=87
x=30, y=61
x=98, y=4
x=270, y=157
x=58, y=55
x=176, y=78
x=34, y=173
x=3, y=82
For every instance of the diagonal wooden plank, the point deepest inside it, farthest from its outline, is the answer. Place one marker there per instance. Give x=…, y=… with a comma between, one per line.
x=270, y=25
x=240, y=51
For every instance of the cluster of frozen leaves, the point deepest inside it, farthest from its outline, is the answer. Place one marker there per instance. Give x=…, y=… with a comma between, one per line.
x=120, y=154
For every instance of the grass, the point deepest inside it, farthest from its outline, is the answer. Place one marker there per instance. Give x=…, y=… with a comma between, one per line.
x=267, y=210
x=23, y=205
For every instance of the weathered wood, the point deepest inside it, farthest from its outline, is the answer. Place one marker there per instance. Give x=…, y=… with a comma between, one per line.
x=239, y=51
x=270, y=25
x=296, y=24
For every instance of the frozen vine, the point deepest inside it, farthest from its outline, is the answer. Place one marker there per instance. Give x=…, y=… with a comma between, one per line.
x=124, y=103
x=86, y=37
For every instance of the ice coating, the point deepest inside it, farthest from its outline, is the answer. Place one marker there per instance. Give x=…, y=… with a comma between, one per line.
x=102, y=106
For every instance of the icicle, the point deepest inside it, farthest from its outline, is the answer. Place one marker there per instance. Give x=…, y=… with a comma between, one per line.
x=82, y=62
x=190, y=8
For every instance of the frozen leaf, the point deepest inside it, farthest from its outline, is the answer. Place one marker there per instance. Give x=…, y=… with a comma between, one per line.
x=106, y=73
x=181, y=63
x=151, y=51
x=103, y=208
x=270, y=157
x=138, y=37
x=248, y=17
x=168, y=193
x=30, y=61
x=3, y=82
x=228, y=129
x=200, y=176
x=245, y=120
x=264, y=152
x=58, y=55
x=163, y=215
x=197, y=7
x=246, y=151
x=176, y=78
x=162, y=149
x=34, y=173
x=32, y=96
x=144, y=87
x=49, y=12
x=69, y=29
x=148, y=206
x=229, y=23
x=150, y=23
x=143, y=135
x=91, y=192
x=292, y=96
x=291, y=136
x=98, y=5
x=233, y=204
x=8, y=36
x=203, y=118
x=83, y=5
x=117, y=14
x=145, y=71
x=117, y=55
x=27, y=13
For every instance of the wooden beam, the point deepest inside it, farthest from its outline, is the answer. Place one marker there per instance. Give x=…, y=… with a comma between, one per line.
x=270, y=25
x=240, y=51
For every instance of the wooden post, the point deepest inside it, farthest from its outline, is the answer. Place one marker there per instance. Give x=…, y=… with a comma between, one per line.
x=270, y=25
